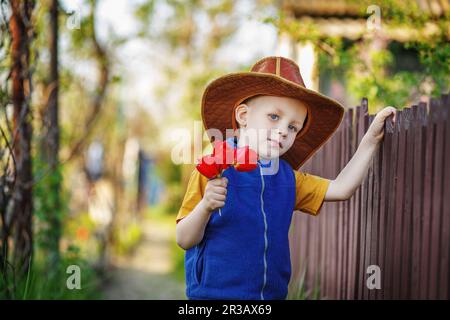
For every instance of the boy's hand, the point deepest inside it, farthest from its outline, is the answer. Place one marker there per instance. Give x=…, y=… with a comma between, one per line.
x=375, y=133
x=215, y=194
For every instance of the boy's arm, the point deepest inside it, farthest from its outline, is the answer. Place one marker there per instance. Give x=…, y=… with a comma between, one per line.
x=191, y=228
x=351, y=177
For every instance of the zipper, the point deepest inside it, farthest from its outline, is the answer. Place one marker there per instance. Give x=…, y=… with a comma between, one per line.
x=265, y=235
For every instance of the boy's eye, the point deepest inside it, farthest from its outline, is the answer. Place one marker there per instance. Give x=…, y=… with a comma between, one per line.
x=273, y=116
x=294, y=128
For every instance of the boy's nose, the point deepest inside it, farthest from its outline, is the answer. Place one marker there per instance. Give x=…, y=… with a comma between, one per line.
x=282, y=132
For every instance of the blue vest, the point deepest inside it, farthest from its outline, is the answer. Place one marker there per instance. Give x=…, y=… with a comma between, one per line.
x=244, y=253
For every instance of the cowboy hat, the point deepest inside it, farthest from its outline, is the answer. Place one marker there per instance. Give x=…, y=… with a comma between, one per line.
x=276, y=76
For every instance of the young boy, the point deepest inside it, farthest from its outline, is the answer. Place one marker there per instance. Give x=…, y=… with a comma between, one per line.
x=243, y=252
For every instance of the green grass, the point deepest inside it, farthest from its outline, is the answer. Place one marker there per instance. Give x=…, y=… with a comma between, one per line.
x=300, y=292
x=127, y=238
x=50, y=282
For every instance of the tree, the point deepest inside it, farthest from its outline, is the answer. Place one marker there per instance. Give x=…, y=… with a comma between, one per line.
x=22, y=33
x=100, y=54
x=49, y=146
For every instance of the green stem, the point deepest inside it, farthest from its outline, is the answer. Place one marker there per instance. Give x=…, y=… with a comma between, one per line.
x=220, y=209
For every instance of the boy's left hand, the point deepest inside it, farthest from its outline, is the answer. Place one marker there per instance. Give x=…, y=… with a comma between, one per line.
x=375, y=132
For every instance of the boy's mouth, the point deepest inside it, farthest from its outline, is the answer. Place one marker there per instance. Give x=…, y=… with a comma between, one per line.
x=275, y=143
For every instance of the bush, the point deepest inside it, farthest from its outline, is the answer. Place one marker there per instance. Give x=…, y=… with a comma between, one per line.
x=50, y=282
x=126, y=239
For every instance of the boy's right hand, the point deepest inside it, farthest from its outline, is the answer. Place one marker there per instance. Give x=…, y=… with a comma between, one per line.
x=215, y=193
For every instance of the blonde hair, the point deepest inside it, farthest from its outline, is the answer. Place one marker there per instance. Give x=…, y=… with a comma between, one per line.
x=247, y=101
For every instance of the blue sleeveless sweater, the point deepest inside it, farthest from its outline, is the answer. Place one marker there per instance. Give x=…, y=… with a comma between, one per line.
x=244, y=253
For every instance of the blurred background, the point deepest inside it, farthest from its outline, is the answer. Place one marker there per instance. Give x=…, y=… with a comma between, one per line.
x=95, y=96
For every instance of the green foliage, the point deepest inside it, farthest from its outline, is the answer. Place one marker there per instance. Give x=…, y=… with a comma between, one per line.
x=380, y=87
x=49, y=282
x=167, y=170
x=435, y=57
x=376, y=79
x=301, y=292
x=171, y=173
x=81, y=43
x=397, y=12
x=144, y=14
x=80, y=231
x=127, y=238
x=49, y=207
x=370, y=72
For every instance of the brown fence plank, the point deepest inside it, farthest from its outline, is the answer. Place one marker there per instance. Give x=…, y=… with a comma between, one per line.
x=399, y=204
x=385, y=150
x=418, y=183
x=323, y=237
x=315, y=232
x=425, y=249
x=335, y=249
x=390, y=221
x=373, y=257
x=356, y=211
x=444, y=289
x=343, y=214
x=407, y=204
x=340, y=227
x=363, y=213
x=351, y=241
x=328, y=223
x=328, y=228
x=436, y=116
x=346, y=226
x=369, y=214
x=321, y=245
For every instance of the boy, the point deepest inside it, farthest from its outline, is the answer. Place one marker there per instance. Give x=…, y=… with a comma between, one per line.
x=243, y=252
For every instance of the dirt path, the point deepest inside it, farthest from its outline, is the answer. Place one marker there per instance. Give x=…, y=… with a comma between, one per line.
x=146, y=273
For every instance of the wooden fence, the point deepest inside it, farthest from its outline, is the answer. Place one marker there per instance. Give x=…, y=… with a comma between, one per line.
x=399, y=219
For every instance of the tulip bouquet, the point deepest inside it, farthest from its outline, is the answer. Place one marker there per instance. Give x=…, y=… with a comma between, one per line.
x=224, y=156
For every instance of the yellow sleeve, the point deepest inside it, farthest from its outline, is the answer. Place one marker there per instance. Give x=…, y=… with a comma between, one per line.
x=194, y=193
x=310, y=192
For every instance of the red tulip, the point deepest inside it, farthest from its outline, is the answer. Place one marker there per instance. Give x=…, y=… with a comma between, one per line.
x=224, y=154
x=209, y=168
x=246, y=159
x=243, y=159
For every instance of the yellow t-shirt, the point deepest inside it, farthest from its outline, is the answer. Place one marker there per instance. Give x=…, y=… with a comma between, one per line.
x=310, y=193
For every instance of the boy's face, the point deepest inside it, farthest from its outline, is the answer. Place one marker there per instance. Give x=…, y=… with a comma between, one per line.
x=270, y=124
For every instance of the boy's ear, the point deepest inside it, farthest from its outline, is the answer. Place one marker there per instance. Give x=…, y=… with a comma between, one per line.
x=241, y=113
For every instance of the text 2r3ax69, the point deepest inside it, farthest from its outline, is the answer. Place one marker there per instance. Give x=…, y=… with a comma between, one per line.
x=246, y=309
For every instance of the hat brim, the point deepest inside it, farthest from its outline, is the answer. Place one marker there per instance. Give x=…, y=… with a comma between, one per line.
x=223, y=94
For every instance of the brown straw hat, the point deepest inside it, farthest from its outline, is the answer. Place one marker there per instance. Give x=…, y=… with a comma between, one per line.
x=275, y=76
